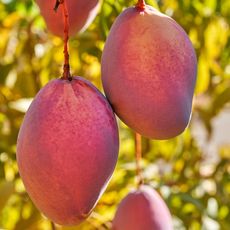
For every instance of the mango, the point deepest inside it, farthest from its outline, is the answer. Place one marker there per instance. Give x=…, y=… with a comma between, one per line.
x=67, y=149
x=149, y=71
x=142, y=209
x=81, y=14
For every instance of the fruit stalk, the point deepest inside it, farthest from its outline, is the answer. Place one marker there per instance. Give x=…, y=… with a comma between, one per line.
x=138, y=152
x=141, y=4
x=66, y=67
x=52, y=225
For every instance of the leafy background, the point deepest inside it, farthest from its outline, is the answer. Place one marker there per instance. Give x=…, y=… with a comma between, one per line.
x=191, y=171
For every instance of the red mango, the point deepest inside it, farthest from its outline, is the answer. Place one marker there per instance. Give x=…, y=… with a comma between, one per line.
x=81, y=14
x=142, y=209
x=149, y=72
x=67, y=149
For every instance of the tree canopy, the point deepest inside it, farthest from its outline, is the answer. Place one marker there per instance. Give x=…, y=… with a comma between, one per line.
x=191, y=171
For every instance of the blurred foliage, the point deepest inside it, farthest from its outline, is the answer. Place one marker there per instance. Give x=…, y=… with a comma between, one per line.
x=191, y=172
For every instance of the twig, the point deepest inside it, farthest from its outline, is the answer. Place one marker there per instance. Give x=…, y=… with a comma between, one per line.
x=138, y=152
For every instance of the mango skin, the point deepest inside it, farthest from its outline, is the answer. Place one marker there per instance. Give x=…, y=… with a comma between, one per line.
x=81, y=15
x=67, y=149
x=142, y=209
x=149, y=72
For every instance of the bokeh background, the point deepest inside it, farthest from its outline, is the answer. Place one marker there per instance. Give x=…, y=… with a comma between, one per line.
x=191, y=171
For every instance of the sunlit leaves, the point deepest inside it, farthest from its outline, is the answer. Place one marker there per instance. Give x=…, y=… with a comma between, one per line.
x=30, y=57
x=216, y=37
x=204, y=73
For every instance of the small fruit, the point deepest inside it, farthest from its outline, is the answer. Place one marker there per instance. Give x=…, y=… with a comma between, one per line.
x=67, y=149
x=149, y=72
x=81, y=14
x=142, y=209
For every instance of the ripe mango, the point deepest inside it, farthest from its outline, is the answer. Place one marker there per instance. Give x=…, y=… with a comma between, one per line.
x=67, y=149
x=81, y=13
x=149, y=71
x=142, y=209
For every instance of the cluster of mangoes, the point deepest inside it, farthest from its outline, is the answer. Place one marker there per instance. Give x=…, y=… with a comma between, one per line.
x=68, y=143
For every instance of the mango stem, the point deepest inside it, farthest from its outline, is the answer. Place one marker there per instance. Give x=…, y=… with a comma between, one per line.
x=66, y=68
x=141, y=4
x=138, y=155
x=52, y=225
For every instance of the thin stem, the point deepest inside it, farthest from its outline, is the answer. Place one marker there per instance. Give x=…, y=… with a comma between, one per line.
x=52, y=225
x=66, y=67
x=141, y=4
x=138, y=152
